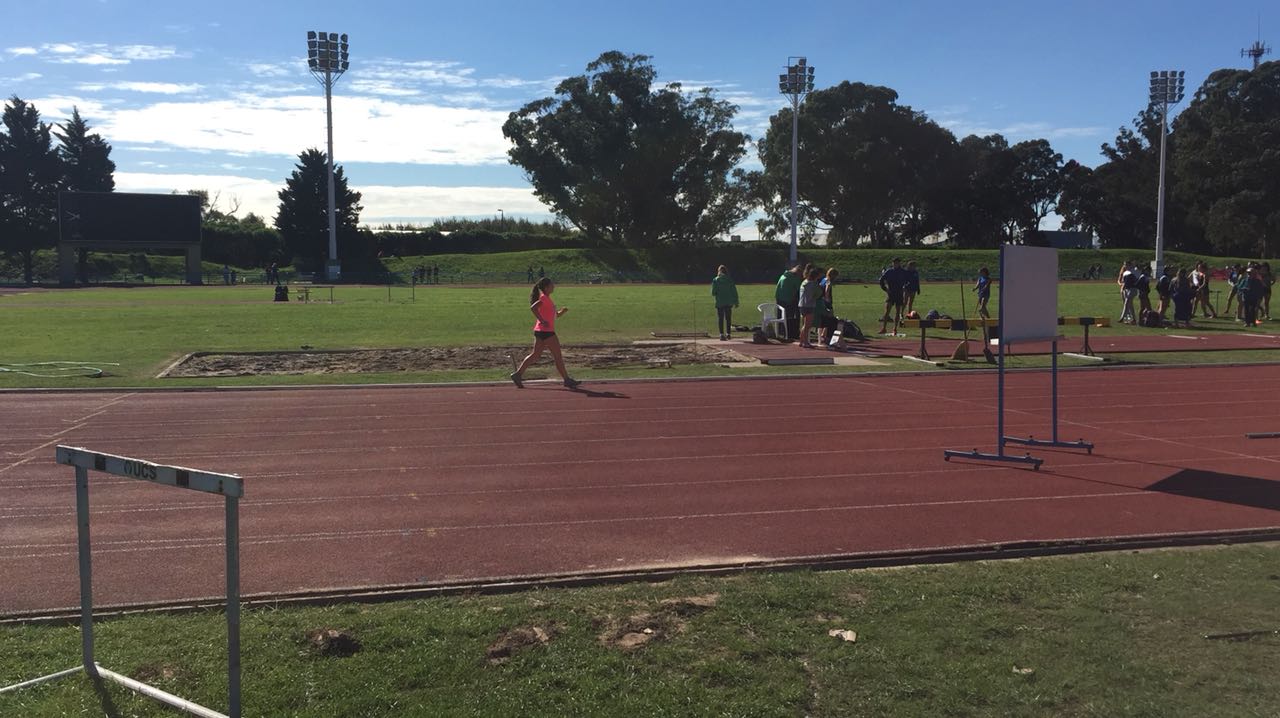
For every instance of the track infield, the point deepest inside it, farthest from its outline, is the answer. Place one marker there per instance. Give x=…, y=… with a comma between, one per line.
x=358, y=488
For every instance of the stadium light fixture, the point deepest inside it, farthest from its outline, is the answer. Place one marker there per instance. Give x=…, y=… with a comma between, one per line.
x=795, y=83
x=1168, y=87
x=328, y=56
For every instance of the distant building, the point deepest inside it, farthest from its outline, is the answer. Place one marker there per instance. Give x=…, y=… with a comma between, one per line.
x=1059, y=239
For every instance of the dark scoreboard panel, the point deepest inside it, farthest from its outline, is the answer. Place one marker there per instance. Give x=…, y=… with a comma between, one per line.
x=106, y=218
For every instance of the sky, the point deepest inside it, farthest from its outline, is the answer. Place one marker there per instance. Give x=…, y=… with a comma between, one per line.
x=217, y=96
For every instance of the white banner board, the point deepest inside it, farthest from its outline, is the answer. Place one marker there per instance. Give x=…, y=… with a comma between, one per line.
x=1028, y=293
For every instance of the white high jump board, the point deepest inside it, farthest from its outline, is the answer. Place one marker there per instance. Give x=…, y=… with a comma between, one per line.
x=1028, y=294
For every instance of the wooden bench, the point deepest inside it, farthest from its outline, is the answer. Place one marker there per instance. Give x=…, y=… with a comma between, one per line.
x=303, y=292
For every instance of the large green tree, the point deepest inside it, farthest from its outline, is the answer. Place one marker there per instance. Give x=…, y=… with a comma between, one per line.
x=1037, y=182
x=868, y=167
x=86, y=166
x=30, y=174
x=986, y=204
x=1117, y=199
x=1227, y=161
x=303, y=216
x=622, y=160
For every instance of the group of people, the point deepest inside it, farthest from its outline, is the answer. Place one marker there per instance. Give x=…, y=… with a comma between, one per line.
x=901, y=286
x=1188, y=291
x=423, y=274
x=806, y=295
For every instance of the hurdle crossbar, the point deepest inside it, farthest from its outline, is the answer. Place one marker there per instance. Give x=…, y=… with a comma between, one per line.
x=229, y=486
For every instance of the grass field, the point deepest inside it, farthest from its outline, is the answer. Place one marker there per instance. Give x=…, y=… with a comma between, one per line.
x=144, y=329
x=1104, y=635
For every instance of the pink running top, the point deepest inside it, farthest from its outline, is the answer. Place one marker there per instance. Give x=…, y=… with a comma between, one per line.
x=546, y=312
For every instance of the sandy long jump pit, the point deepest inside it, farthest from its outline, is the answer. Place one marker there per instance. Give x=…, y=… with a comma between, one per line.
x=211, y=364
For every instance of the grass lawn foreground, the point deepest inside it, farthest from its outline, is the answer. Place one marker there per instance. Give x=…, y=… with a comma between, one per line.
x=1107, y=635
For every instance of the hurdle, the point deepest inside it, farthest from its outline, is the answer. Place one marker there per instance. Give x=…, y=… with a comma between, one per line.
x=1086, y=351
x=924, y=325
x=231, y=487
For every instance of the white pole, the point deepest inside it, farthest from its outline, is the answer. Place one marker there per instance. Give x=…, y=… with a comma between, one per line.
x=1164, y=133
x=795, y=153
x=334, y=268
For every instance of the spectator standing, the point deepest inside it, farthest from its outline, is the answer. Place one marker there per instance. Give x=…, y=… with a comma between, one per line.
x=1183, y=294
x=1162, y=291
x=544, y=333
x=1251, y=295
x=983, y=288
x=725, y=293
x=1200, y=280
x=829, y=320
x=1264, y=273
x=913, y=285
x=1144, y=290
x=226, y=274
x=435, y=274
x=1233, y=279
x=786, y=294
x=1128, y=282
x=810, y=292
x=530, y=274
x=894, y=284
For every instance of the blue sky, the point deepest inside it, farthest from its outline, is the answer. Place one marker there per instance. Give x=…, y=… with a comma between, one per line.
x=217, y=96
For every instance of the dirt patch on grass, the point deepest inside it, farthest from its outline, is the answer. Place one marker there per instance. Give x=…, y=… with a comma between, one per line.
x=668, y=620
x=332, y=642
x=519, y=638
x=443, y=358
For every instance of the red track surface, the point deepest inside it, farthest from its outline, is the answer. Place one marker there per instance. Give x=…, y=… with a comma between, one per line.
x=369, y=487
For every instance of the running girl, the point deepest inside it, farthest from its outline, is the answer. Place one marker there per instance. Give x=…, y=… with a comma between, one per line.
x=983, y=288
x=544, y=332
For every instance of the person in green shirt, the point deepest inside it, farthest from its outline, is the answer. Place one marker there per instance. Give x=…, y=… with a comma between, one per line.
x=725, y=293
x=787, y=296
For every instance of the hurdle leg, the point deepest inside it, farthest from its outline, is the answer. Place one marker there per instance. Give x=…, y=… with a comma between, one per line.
x=86, y=571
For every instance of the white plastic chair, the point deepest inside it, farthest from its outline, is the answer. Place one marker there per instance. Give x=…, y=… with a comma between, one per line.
x=773, y=315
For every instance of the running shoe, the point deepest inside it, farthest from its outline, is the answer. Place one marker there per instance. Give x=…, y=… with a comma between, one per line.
x=571, y=382
x=515, y=379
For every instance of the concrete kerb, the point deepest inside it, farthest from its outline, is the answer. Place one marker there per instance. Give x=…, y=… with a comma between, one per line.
x=961, y=553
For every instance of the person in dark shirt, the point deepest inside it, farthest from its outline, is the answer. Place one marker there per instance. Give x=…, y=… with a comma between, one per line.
x=1144, y=290
x=983, y=288
x=913, y=285
x=894, y=283
x=1162, y=290
x=1251, y=292
x=1183, y=294
x=786, y=294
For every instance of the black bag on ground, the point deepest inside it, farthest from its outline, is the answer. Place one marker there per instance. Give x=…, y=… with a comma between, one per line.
x=850, y=330
x=282, y=293
x=1150, y=318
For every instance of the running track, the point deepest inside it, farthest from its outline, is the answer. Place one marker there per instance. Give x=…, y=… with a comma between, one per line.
x=359, y=488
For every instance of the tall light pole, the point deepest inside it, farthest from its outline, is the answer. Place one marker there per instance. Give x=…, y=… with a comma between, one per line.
x=795, y=83
x=1167, y=88
x=502, y=220
x=327, y=59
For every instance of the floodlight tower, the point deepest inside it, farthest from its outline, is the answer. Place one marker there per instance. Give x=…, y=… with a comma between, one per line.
x=1167, y=88
x=327, y=59
x=795, y=83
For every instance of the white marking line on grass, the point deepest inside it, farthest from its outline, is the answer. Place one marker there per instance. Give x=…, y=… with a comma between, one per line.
x=134, y=545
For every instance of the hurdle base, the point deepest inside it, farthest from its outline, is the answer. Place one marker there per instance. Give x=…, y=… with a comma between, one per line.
x=976, y=455
x=1090, y=357
x=1032, y=441
x=1263, y=435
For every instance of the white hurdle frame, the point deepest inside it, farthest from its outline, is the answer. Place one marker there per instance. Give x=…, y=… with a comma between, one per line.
x=229, y=486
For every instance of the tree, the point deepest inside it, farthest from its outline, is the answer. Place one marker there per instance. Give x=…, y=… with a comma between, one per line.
x=86, y=158
x=620, y=160
x=86, y=166
x=985, y=205
x=1117, y=199
x=867, y=166
x=1037, y=182
x=303, y=217
x=30, y=173
x=1227, y=161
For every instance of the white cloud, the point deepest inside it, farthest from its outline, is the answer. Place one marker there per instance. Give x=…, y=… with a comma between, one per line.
x=96, y=53
x=24, y=77
x=366, y=129
x=274, y=69
x=160, y=88
x=381, y=203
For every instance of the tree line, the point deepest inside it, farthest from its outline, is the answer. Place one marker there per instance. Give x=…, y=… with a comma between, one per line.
x=629, y=161
x=623, y=160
